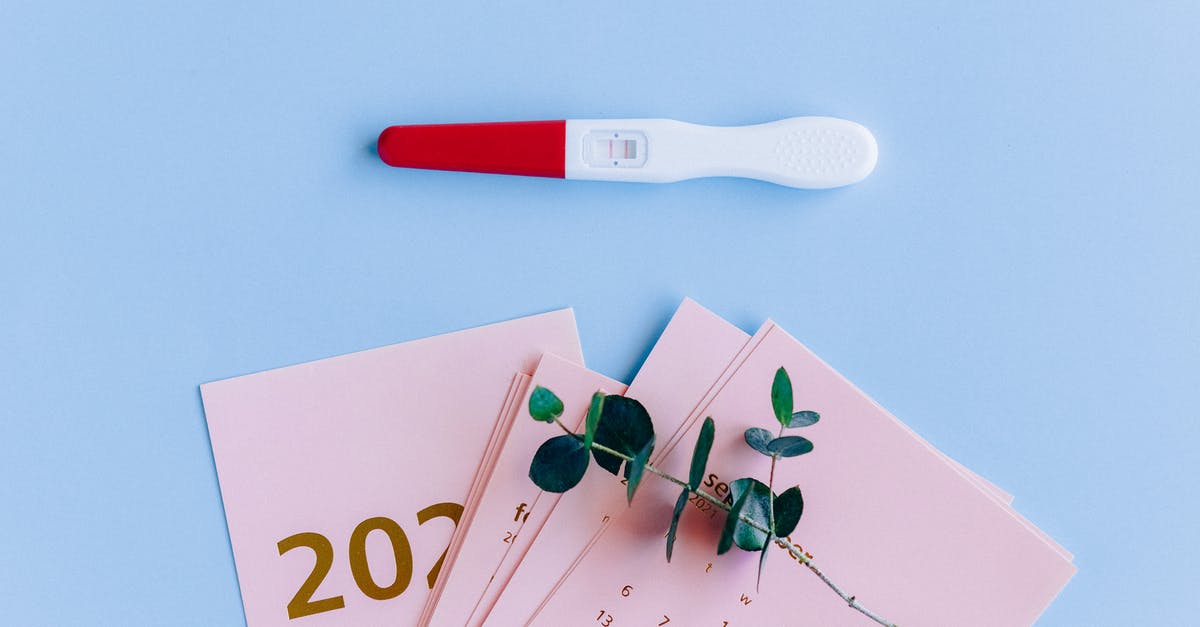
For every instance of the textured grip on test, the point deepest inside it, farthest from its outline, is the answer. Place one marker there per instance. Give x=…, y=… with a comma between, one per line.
x=525, y=148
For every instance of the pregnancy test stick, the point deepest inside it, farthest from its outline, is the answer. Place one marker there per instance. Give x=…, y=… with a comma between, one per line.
x=806, y=152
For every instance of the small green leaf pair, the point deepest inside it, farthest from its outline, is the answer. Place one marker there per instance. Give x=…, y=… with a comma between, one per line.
x=753, y=500
x=781, y=402
x=695, y=476
x=764, y=442
x=560, y=462
x=613, y=422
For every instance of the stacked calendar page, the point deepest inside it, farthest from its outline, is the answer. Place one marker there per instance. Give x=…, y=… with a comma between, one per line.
x=393, y=487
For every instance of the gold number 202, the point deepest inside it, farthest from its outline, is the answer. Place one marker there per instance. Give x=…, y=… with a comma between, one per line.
x=303, y=604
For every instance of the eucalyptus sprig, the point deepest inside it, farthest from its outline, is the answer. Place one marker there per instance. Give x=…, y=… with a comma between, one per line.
x=618, y=433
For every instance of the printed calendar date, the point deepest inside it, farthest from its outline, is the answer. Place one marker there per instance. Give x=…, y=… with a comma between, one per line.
x=303, y=603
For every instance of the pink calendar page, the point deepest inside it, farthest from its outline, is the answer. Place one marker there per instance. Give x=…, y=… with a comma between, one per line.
x=511, y=508
x=516, y=393
x=343, y=478
x=886, y=517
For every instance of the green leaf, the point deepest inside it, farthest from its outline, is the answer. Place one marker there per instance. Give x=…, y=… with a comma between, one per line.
x=758, y=439
x=803, y=419
x=731, y=523
x=758, y=500
x=636, y=468
x=624, y=426
x=679, y=505
x=789, y=506
x=700, y=454
x=790, y=446
x=781, y=396
x=762, y=561
x=559, y=463
x=593, y=419
x=544, y=406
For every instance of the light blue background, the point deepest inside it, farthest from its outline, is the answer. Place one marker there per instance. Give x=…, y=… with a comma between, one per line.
x=187, y=193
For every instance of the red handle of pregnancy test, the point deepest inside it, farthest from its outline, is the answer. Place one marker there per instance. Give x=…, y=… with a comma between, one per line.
x=526, y=148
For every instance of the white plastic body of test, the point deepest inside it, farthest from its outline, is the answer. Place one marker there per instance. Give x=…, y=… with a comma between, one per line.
x=807, y=152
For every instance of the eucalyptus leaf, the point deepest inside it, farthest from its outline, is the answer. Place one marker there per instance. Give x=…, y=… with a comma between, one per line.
x=636, y=468
x=804, y=419
x=731, y=523
x=762, y=561
x=700, y=454
x=781, y=396
x=758, y=501
x=595, y=409
x=625, y=427
x=679, y=505
x=758, y=439
x=790, y=446
x=544, y=405
x=559, y=463
x=789, y=506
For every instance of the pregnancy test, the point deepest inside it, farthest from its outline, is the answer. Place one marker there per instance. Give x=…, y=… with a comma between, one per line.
x=806, y=152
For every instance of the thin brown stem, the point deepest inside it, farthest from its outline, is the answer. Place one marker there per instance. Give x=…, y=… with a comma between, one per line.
x=564, y=427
